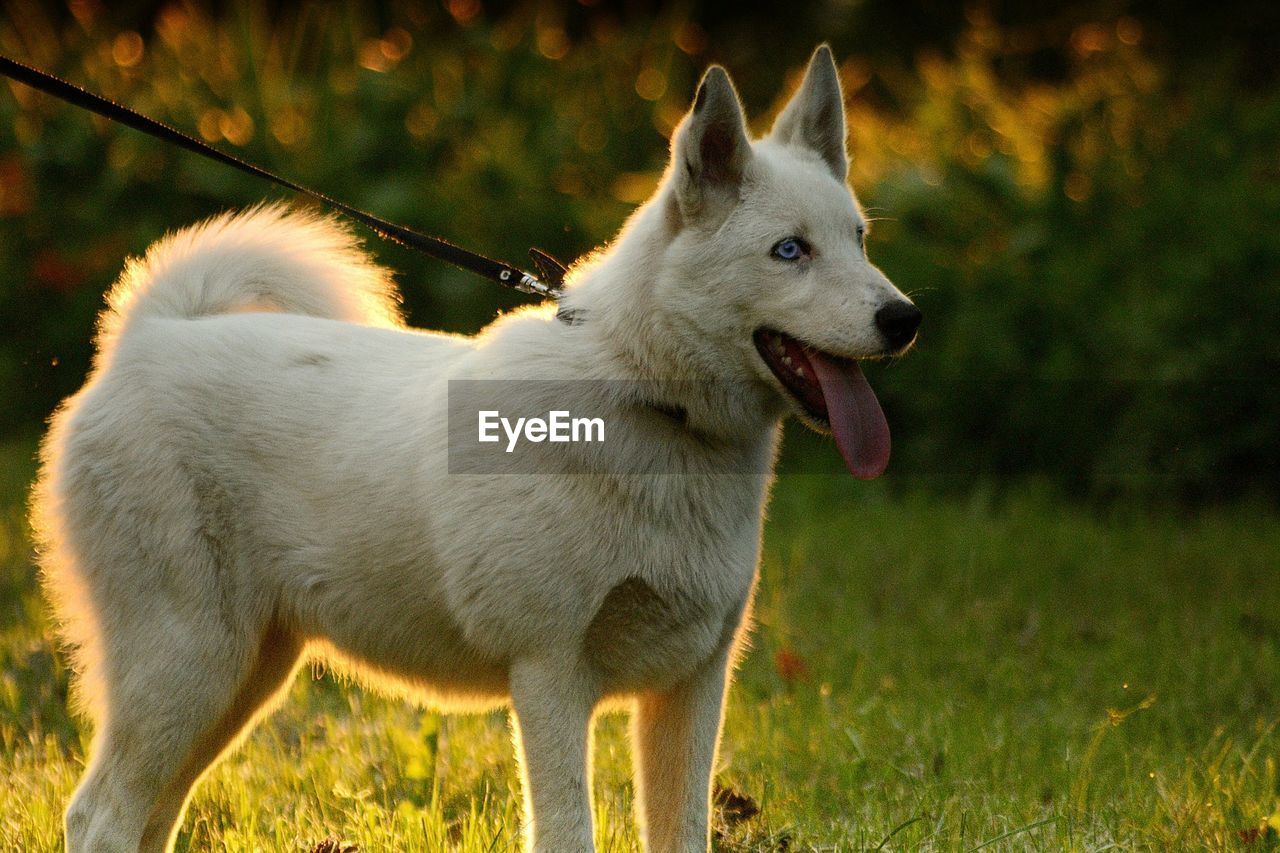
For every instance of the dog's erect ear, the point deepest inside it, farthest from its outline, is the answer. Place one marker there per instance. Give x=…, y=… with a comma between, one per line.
x=814, y=118
x=710, y=150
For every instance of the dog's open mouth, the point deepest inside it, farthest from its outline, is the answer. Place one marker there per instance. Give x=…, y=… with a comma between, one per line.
x=833, y=392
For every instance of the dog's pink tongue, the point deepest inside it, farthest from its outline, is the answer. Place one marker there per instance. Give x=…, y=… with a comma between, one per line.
x=857, y=421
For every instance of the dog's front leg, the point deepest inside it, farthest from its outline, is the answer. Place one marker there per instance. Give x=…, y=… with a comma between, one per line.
x=553, y=698
x=675, y=735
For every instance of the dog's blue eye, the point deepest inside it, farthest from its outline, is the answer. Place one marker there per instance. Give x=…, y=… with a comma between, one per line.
x=790, y=249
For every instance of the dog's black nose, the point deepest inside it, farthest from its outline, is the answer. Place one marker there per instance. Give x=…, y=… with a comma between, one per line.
x=898, y=322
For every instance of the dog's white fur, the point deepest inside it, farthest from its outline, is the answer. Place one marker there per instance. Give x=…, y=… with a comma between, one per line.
x=256, y=471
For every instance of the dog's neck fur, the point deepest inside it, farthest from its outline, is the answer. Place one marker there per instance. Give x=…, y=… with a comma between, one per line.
x=612, y=297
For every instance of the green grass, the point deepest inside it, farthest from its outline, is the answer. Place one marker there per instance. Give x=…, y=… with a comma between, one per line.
x=927, y=673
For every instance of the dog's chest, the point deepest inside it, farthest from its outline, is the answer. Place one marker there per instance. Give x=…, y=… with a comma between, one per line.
x=643, y=636
x=679, y=592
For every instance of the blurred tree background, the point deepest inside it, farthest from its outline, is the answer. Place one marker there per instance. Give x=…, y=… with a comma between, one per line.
x=1084, y=199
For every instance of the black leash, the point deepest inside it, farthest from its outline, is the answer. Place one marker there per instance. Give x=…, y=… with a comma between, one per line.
x=550, y=285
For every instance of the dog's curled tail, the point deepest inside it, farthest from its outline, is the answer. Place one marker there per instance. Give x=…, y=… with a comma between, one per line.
x=267, y=258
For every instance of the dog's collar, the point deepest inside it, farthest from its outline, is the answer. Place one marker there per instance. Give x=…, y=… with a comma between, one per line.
x=677, y=414
x=570, y=316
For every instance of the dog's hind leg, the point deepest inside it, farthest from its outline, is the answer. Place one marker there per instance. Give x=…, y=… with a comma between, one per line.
x=262, y=689
x=177, y=691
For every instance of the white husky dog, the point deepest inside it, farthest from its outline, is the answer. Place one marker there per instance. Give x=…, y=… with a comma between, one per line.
x=257, y=471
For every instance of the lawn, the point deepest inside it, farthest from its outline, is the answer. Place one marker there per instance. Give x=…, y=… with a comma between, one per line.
x=926, y=673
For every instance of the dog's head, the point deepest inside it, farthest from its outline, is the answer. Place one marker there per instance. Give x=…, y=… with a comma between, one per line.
x=767, y=259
